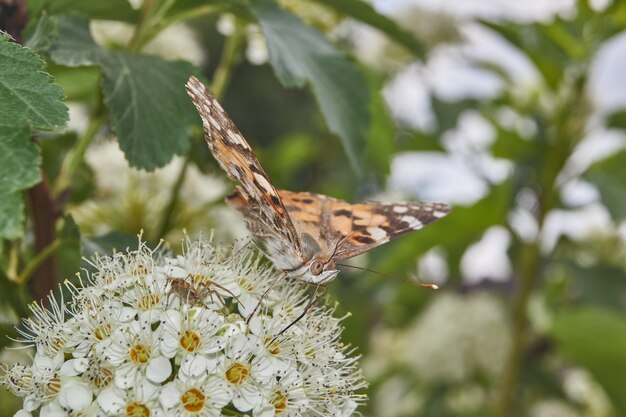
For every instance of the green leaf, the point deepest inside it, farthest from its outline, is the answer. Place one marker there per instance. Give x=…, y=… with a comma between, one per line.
x=596, y=339
x=380, y=140
x=19, y=159
x=11, y=215
x=617, y=120
x=360, y=10
x=149, y=109
x=601, y=284
x=74, y=45
x=510, y=145
x=535, y=41
x=27, y=94
x=609, y=176
x=41, y=33
x=106, y=10
x=301, y=55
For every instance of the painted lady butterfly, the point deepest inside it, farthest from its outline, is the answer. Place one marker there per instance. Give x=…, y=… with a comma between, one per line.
x=304, y=234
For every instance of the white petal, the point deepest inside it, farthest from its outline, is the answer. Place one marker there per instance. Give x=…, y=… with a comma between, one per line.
x=125, y=376
x=159, y=369
x=170, y=395
x=74, y=367
x=262, y=369
x=75, y=395
x=195, y=365
x=22, y=413
x=111, y=401
x=266, y=410
x=145, y=390
x=219, y=391
x=127, y=314
x=246, y=397
x=172, y=319
x=32, y=402
x=52, y=410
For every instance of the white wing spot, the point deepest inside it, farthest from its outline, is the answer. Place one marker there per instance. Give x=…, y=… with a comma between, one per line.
x=214, y=123
x=413, y=222
x=439, y=214
x=237, y=138
x=263, y=182
x=217, y=106
x=400, y=209
x=408, y=219
x=376, y=233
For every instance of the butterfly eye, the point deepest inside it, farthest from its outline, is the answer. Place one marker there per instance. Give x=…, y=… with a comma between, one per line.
x=316, y=267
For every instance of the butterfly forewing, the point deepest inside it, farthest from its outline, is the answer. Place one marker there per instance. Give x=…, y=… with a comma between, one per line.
x=263, y=206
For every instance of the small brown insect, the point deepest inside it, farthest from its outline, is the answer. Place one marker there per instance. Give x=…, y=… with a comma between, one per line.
x=196, y=296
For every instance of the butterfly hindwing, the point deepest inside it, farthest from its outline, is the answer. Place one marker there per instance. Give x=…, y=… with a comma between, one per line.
x=352, y=229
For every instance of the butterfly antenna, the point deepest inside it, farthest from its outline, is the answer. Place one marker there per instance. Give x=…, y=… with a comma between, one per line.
x=431, y=286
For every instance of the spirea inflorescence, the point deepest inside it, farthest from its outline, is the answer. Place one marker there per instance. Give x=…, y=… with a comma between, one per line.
x=147, y=334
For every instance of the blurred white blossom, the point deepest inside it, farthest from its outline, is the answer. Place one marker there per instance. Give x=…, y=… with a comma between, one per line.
x=127, y=196
x=176, y=41
x=553, y=408
x=457, y=337
x=180, y=343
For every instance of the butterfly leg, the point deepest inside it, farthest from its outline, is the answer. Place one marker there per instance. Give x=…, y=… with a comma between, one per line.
x=304, y=312
x=280, y=278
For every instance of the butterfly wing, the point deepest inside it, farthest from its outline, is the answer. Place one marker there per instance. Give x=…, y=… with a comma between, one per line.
x=345, y=230
x=256, y=198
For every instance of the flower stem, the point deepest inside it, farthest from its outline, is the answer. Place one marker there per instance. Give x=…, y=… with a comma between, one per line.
x=221, y=78
x=567, y=131
x=37, y=260
x=73, y=161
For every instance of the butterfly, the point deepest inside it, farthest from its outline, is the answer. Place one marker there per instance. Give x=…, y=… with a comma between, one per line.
x=304, y=234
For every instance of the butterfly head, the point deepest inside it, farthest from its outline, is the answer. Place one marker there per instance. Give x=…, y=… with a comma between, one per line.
x=316, y=271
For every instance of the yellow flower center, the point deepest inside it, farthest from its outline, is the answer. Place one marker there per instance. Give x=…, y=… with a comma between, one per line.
x=245, y=284
x=190, y=341
x=279, y=401
x=139, y=354
x=237, y=373
x=201, y=279
x=102, y=331
x=274, y=348
x=137, y=410
x=193, y=400
x=140, y=270
x=103, y=378
x=54, y=385
x=148, y=301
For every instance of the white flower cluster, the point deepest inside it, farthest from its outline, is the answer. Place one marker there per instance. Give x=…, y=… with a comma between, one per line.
x=154, y=335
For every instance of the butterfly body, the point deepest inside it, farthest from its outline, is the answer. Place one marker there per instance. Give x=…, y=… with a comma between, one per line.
x=304, y=234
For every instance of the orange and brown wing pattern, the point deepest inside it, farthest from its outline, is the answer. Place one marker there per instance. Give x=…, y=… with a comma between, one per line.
x=373, y=224
x=256, y=198
x=344, y=230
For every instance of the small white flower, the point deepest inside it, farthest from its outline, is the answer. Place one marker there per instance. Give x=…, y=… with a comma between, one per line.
x=141, y=400
x=195, y=397
x=287, y=398
x=136, y=353
x=195, y=335
x=246, y=371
